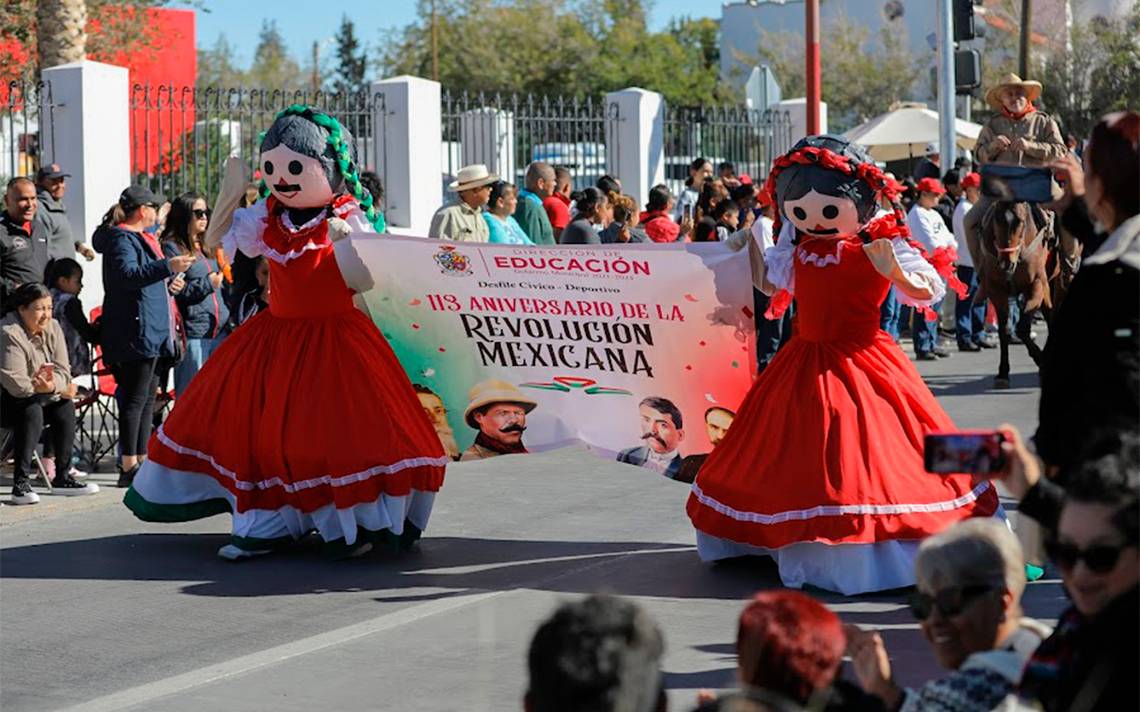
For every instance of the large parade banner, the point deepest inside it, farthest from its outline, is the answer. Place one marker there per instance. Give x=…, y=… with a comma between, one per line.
x=642, y=353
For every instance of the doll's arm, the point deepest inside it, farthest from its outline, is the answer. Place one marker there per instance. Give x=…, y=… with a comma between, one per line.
x=742, y=239
x=915, y=279
x=245, y=232
x=232, y=190
x=352, y=268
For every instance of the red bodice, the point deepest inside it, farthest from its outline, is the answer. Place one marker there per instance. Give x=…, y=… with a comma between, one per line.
x=308, y=283
x=839, y=301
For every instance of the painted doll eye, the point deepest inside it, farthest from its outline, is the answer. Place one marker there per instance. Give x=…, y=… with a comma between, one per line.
x=295, y=167
x=830, y=212
x=800, y=213
x=269, y=168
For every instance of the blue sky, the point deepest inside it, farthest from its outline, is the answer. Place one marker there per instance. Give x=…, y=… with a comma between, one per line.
x=303, y=21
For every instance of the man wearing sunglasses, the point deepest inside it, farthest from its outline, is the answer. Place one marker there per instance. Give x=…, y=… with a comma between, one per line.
x=969, y=581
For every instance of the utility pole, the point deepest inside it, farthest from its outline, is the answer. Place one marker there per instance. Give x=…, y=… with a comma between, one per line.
x=946, y=86
x=812, y=78
x=1026, y=28
x=434, y=44
x=316, y=78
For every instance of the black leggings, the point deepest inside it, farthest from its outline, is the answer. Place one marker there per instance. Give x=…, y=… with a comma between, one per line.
x=138, y=384
x=27, y=417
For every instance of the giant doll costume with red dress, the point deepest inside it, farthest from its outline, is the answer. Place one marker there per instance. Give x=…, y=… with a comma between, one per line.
x=822, y=468
x=302, y=420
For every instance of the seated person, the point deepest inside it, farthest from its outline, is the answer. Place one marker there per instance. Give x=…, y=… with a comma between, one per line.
x=36, y=388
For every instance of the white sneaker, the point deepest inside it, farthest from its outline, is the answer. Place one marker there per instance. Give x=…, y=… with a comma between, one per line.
x=67, y=487
x=23, y=494
x=77, y=474
x=230, y=552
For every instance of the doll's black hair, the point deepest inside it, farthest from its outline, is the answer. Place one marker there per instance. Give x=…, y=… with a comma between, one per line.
x=316, y=134
x=798, y=180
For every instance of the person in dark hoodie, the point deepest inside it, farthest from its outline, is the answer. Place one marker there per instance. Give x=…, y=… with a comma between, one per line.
x=51, y=185
x=138, y=315
x=202, y=303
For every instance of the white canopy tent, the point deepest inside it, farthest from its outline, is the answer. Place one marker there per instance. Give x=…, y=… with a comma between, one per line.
x=904, y=132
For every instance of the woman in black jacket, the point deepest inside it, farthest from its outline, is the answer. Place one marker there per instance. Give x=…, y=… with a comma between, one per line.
x=201, y=303
x=138, y=315
x=1090, y=373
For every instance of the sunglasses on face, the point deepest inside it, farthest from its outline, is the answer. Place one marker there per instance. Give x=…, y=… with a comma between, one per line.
x=949, y=601
x=1098, y=558
x=199, y=214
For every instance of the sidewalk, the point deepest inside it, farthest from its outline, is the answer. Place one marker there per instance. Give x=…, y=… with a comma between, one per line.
x=53, y=505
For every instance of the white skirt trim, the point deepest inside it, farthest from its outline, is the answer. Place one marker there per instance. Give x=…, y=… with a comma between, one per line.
x=849, y=569
x=837, y=510
x=162, y=485
x=298, y=485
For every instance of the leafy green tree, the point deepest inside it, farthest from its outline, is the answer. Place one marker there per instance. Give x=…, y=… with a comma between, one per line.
x=351, y=65
x=273, y=67
x=216, y=66
x=1098, y=75
x=860, y=78
x=585, y=47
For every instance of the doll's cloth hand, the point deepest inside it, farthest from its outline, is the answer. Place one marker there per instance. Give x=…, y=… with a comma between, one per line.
x=338, y=229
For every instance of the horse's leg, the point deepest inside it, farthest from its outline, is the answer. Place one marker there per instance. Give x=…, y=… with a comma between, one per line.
x=1024, y=332
x=1001, y=306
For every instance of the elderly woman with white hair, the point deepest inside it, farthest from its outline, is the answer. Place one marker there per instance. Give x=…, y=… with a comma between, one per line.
x=970, y=578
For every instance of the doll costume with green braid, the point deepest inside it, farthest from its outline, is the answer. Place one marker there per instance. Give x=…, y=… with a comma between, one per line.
x=303, y=420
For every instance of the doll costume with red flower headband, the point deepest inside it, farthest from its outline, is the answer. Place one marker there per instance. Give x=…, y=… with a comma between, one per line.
x=302, y=420
x=823, y=467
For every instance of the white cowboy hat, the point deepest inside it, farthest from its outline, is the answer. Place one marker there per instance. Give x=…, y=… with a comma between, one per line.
x=1032, y=89
x=494, y=390
x=472, y=176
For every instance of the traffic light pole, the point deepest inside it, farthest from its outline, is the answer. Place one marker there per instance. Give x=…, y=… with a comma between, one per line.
x=947, y=147
x=812, y=78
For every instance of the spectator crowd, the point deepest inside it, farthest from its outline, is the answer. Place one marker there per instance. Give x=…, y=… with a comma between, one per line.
x=168, y=304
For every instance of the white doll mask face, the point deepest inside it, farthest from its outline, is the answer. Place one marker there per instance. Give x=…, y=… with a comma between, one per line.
x=823, y=215
x=295, y=179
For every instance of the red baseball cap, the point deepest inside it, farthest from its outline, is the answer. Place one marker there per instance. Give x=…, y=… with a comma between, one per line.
x=971, y=180
x=930, y=185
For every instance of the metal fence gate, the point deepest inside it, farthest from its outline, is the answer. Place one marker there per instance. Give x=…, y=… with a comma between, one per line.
x=516, y=129
x=181, y=137
x=748, y=138
x=27, y=128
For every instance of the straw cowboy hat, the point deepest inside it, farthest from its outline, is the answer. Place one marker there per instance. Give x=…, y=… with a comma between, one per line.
x=495, y=391
x=472, y=176
x=1032, y=89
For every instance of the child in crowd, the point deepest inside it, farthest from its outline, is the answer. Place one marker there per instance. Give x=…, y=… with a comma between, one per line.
x=65, y=280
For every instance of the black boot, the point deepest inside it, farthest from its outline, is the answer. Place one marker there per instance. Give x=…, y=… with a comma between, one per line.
x=126, y=477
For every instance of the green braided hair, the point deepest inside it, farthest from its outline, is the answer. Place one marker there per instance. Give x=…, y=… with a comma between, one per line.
x=340, y=149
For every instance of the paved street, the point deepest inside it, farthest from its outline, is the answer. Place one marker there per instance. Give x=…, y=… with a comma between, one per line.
x=99, y=611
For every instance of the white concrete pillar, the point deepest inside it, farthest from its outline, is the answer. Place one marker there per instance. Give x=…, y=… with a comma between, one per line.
x=487, y=136
x=797, y=111
x=412, y=150
x=635, y=146
x=92, y=142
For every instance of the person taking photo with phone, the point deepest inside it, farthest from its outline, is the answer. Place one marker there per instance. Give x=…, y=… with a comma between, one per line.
x=138, y=314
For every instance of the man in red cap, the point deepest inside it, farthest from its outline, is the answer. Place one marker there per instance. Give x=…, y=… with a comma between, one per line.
x=928, y=230
x=970, y=318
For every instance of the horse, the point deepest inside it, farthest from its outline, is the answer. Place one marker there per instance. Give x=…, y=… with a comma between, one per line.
x=1018, y=260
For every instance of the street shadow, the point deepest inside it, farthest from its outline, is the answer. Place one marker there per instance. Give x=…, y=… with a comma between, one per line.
x=455, y=565
x=971, y=385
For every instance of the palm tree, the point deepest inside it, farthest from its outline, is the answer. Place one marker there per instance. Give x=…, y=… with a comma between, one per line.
x=61, y=31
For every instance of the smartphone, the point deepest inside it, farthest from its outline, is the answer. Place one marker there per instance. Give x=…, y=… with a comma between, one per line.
x=1017, y=183
x=976, y=452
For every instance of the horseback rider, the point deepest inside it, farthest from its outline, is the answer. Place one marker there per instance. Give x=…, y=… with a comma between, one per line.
x=1018, y=134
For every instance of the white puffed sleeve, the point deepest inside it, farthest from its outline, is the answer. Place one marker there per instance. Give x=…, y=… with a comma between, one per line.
x=352, y=268
x=356, y=219
x=913, y=264
x=245, y=231
x=778, y=260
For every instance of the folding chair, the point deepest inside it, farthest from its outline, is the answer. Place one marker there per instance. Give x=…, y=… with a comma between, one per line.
x=7, y=444
x=97, y=420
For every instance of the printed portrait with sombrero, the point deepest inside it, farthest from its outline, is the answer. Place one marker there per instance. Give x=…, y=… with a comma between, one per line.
x=498, y=410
